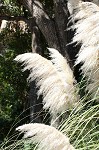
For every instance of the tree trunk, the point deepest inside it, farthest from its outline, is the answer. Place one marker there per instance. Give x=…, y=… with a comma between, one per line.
x=54, y=30
x=35, y=104
x=36, y=114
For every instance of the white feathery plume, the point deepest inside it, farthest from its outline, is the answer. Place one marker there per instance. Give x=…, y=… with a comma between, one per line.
x=58, y=94
x=47, y=137
x=87, y=33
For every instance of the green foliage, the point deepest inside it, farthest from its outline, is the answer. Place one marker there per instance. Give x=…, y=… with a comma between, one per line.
x=13, y=85
x=82, y=126
x=12, y=8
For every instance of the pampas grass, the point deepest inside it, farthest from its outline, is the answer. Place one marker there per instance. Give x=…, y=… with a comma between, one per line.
x=87, y=28
x=81, y=127
x=55, y=80
x=48, y=137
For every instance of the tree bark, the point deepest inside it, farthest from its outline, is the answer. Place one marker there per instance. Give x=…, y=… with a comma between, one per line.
x=35, y=104
x=61, y=19
x=53, y=31
x=45, y=24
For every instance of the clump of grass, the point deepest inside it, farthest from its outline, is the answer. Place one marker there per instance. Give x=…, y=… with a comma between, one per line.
x=79, y=126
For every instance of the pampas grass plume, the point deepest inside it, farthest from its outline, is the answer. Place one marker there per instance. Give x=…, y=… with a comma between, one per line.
x=55, y=81
x=47, y=137
x=87, y=34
